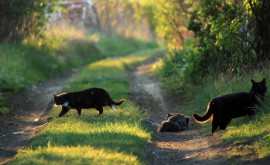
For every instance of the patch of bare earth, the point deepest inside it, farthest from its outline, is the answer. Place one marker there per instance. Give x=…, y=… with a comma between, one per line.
x=28, y=115
x=186, y=147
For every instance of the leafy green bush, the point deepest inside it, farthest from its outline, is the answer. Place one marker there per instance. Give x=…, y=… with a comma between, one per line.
x=182, y=68
x=220, y=29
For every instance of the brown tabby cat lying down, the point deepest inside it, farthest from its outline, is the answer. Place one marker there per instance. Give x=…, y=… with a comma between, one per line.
x=85, y=99
x=224, y=108
x=175, y=122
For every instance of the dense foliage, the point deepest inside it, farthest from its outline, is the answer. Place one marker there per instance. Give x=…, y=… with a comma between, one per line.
x=20, y=18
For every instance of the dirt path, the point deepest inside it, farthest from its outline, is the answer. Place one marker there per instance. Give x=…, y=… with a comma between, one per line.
x=28, y=115
x=187, y=147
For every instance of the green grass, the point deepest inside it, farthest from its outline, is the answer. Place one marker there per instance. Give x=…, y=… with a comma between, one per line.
x=119, y=45
x=248, y=135
x=113, y=138
x=36, y=59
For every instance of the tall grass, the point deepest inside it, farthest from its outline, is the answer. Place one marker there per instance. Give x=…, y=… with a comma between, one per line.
x=36, y=59
x=112, y=138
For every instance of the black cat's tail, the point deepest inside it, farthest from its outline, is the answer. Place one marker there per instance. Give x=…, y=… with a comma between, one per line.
x=206, y=116
x=118, y=103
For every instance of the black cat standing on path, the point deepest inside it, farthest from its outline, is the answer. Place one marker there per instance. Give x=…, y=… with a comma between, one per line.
x=224, y=108
x=85, y=99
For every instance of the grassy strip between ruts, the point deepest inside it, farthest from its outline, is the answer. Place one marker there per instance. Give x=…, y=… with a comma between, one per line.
x=113, y=138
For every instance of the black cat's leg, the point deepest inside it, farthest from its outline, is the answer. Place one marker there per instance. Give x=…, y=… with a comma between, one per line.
x=214, y=124
x=79, y=111
x=251, y=113
x=224, y=124
x=100, y=110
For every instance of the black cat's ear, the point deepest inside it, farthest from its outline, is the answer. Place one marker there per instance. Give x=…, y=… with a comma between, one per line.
x=263, y=81
x=54, y=96
x=168, y=115
x=253, y=82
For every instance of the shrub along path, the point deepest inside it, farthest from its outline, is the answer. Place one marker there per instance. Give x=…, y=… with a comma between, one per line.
x=28, y=114
x=187, y=147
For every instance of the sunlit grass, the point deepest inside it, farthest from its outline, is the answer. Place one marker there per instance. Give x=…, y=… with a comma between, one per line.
x=119, y=45
x=66, y=31
x=256, y=132
x=36, y=59
x=76, y=155
x=112, y=138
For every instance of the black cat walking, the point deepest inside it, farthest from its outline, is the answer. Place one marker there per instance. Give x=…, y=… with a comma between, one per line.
x=85, y=99
x=221, y=110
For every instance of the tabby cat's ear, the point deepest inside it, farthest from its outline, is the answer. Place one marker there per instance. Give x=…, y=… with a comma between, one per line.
x=54, y=96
